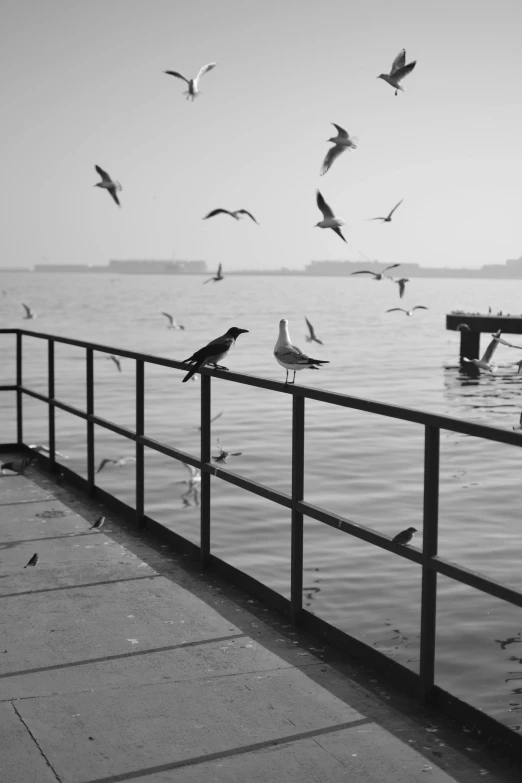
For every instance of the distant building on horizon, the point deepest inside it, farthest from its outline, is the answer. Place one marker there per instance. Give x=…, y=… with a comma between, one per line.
x=131, y=267
x=511, y=269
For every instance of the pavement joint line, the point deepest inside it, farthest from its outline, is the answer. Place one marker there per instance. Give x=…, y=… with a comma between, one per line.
x=8, y=544
x=117, y=656
x=58, y=778
x=80, y=586
x=27, y=502
x=223, y=754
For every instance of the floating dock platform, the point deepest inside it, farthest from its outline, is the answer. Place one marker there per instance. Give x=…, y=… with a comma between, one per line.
x=477, y=323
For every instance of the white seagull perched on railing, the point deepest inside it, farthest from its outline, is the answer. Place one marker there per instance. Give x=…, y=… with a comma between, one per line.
x=388, y=217
x=290, y=356
x=28, y=312
x=376, y=275
x=237, y=214
x=329, y=219
x=408, y=312
x=398, y=71
x=109, y=184
x=485, y=362
x=192, y=92
x=342, y=142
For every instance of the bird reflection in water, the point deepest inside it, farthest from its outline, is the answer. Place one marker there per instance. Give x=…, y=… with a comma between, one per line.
x=309, y=593
x=191, y=495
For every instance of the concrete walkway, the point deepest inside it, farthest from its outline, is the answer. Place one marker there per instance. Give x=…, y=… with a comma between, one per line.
x=120, y=662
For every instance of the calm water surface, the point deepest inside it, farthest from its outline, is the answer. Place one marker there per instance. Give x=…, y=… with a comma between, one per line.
x=362, y=466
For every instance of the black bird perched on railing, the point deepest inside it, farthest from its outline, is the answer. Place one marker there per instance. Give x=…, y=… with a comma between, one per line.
x=405, y=536
x=33, y=561
x=213, y=352
x=17, y=465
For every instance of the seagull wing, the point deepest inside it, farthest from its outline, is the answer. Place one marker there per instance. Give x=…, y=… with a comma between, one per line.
x=103, y=174
x=399, y=62
x=331, y=155
x=402, y=286
x=490, y=350
x=402, y=72
x=323, y=206
x=365, y=272
x=171, y=319
x=27, y=309
x=205, y=69
x=341, y=131
x=392, y=266
x=217, y=212
x=216, y=417
x=310, y=328
x=395, y=207
x=113, y=193
x=103, y=463
x=392, y=309
x=177, y=75
x=246, y=212
x=419, y=307
x=339, y=233
x=219, y=272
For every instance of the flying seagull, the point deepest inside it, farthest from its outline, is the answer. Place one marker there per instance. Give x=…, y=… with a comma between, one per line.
x=116, y=361
x=213, y=352
x=505, y=342
x=376, y=275
x=109, y=184
x=194, y=476
x=223, y=455
x=329, y=220
x=485, y=362
x=17, y=465
x=28, y=312
x=341, y=142
x=398, y=71
x=388, y=218
x=33, y=561
x=290, y=356
x=405, y=536
x=408, y=312
x=97, y=525
x=311, y=337
x=401, y=282
x=172, y=322
x=192, y=91
x=235, y=214
x=118, y=462
x=218, y=277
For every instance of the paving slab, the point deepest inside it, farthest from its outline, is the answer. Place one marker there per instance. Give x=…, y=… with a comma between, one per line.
x=20, y=757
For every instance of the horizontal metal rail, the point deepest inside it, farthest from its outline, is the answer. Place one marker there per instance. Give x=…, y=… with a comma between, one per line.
x=428, y=559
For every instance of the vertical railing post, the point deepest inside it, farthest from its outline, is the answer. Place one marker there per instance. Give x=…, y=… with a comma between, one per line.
x=90, y=424
x=205, y=476
x=19, y=404
x=429, y=550
x=296, y=559
x=51, y=409
x=140, y=430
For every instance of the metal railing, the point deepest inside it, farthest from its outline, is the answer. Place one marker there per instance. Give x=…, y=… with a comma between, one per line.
x=422, y=684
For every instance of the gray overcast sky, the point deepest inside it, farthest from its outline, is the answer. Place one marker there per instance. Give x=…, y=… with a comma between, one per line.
x=82, y=83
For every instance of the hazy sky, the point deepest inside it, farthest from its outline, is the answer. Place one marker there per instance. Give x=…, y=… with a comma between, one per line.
x=82, y=83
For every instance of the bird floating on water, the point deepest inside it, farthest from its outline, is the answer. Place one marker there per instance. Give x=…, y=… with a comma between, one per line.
x=405, y=536
x=192, y=92
x=213, y=352
x=28, y=312
x=388, y=217
x=237, y=214
x=97, y=525
x=116, y=361
x=398, y=71
x=117, y=462
x=329, y=220
x=485, y=362
x=376, y=275
x=218, y=277
x=342, y=142
x=33, y=560
x=223, y=455
x=311, y=337
x=290, y=356
x=401, y=282
x=109, y=184
x=408, y=312
x=172, y=323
